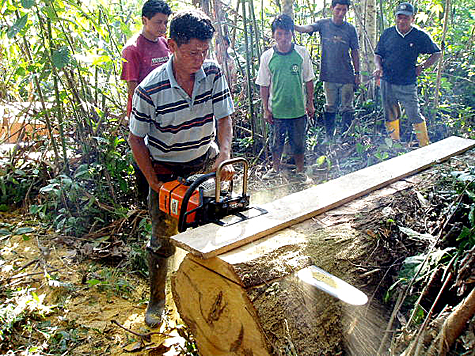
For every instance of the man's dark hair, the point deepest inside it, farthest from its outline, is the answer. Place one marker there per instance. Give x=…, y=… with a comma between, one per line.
x=153, y=7
x=283, y=22
x=189, y=24
x=341, y=2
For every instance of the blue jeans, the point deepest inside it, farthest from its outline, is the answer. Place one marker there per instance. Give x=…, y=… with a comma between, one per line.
x=393, y=94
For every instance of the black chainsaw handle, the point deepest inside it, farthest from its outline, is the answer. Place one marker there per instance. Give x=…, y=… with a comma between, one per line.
x=186, y=198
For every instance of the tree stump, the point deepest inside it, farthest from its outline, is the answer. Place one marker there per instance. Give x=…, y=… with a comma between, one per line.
x=249, y=301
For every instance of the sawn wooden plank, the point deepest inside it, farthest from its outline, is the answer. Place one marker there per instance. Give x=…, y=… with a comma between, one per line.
x=211, y=240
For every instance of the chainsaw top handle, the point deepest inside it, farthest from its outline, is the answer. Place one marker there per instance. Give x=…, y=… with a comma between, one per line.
x=219, y=171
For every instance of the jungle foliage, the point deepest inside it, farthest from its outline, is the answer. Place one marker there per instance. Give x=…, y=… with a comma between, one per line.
x=69, y=163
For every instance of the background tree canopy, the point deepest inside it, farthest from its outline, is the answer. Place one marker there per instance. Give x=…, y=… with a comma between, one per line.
x=61, y=62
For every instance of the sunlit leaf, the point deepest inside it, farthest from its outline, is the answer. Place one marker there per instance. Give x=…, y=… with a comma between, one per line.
x=321, y=160
x=35, y=297
x=101, y=60
x=93, y=282
x=17, y=26
x=49, y=11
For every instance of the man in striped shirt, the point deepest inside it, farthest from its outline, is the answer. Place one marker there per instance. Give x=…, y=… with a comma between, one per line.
x=178, y=111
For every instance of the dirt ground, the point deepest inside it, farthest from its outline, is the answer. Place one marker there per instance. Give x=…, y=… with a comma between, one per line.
x=87, y=297
x=66, y=305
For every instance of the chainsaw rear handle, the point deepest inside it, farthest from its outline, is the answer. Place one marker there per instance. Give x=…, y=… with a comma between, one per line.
x=218, y=175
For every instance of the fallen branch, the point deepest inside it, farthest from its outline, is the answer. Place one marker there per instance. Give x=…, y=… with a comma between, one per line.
x=453, y=326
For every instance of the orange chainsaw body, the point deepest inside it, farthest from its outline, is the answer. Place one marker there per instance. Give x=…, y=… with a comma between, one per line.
x=171, y=198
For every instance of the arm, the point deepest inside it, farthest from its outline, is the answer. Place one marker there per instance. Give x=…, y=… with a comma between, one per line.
x=378, y=62
x=355, y=58
x=310, y=107
x=225, y=136
x=434, y=57
x=304, y=28
x=131, y=85
x=265, y=104
x=142, y=157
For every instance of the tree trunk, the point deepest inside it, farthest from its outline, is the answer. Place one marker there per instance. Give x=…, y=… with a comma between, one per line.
x=250, y=301
x=287, y=7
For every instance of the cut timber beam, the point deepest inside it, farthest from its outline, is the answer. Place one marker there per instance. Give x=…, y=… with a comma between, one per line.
x=211, y=240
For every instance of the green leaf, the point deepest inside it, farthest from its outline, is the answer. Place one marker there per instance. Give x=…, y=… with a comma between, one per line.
x=101, y=60
x=93, y=282
x=49, y=11
x=17, y=26
x=5, y=232
x=61, y=57
x=389, y=142
x=35, y=297
x=27, y=4
x=471, y=215
x=321, y=160
x=23, y=230
x=49, y=188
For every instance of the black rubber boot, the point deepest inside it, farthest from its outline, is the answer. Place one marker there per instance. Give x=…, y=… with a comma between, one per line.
x=346, y=120
x=157, y=269
x=329, y=121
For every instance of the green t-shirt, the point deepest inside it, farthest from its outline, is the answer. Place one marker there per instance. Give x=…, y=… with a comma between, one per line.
x=285, y=74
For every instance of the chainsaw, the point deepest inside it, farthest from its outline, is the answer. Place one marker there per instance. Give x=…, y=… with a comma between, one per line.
x=200, y=200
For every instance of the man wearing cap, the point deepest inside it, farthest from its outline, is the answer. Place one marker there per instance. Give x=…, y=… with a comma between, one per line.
x=395, y=59
x=339, y=66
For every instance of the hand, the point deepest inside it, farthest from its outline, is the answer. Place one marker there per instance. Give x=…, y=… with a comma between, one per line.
x=378, y=73
x=227, y=172
x=268, y=116
x=310, y=110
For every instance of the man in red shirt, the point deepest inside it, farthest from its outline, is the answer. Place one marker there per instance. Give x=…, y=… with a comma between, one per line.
x=147, y=50
x=143, y=53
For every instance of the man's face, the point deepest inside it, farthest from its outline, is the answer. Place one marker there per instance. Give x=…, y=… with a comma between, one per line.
x=283, y=39
x=339, y=12
x=189, y=57
x=404, y=22
x=156, y=26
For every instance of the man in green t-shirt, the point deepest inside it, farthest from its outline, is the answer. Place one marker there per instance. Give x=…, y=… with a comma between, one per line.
x=285, y=70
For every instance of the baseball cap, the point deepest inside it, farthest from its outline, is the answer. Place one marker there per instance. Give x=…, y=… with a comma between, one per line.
x=405, y=8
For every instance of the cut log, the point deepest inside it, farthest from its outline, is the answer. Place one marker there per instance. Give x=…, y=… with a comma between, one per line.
x=210, y=240
x=250, y=301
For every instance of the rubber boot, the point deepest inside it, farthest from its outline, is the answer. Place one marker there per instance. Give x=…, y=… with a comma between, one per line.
x=421, y=133
x=346, y=120
x=157, y=269
x=329, y=121
x=393, y=129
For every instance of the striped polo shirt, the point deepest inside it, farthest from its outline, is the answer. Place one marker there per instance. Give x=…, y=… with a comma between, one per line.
x=178, y=128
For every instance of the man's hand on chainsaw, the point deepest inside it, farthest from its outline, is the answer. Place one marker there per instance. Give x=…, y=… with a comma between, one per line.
x=227, y=172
